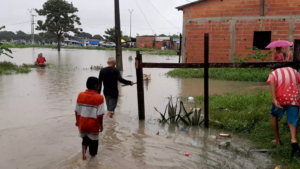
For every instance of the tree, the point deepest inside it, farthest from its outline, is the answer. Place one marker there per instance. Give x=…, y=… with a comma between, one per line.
x=110, y=35
x=60, y=19
x=175, y=36
x=84, y=35
x=126, y=38
x=162, y=35
x=4, y=49
x=21, y=35
x=99, y=37
x=7, y=35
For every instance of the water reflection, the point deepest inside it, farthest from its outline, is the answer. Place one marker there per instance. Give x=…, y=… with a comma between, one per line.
x=37, y=125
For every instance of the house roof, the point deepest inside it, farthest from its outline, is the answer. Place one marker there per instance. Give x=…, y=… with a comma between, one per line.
x=93, y=40
x=160, y=38
x=192, y=3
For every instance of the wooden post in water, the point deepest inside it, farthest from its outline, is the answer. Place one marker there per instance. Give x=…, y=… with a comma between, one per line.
x=140, y=85
x=179, y=52
x=206, y=77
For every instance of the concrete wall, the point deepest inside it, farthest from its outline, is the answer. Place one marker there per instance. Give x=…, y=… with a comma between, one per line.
x=231, y=25
x=145, y=41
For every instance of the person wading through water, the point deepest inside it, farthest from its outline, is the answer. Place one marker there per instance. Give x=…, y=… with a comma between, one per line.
x=110, y=77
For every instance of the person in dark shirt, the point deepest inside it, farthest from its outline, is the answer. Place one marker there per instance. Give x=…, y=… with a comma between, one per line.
x=110, y=77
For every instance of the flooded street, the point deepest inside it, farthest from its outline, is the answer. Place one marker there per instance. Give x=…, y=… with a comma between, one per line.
x=37, y=124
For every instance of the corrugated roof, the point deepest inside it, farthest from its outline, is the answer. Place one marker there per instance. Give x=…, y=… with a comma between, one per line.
x=181, y=7
x=93, y=40
x=159, y=38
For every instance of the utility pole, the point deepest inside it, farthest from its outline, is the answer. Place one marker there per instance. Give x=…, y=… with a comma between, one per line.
x=32, y=36
x=32, y=25
x=118, y=36
x=130, y=22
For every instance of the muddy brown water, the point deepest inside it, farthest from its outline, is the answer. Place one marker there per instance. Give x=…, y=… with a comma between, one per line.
x=37, y=127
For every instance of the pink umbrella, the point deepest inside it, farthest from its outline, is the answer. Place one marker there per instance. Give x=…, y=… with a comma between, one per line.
x=279, y=43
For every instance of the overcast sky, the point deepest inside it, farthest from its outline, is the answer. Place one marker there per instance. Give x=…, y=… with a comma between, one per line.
x=98, y=15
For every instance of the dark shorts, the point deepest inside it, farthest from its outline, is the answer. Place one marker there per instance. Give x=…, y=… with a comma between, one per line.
x=91, y=144
x=111, y=103
x=292, y=113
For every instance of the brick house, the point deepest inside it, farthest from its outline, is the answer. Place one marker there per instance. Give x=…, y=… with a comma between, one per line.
x=155, y=42
x=145, y=41
x=235, y=24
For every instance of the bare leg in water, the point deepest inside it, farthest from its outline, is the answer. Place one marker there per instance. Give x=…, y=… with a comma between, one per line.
x=274, y=122
x=84, y=148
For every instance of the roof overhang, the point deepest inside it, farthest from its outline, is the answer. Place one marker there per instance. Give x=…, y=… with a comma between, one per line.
x=192, y=3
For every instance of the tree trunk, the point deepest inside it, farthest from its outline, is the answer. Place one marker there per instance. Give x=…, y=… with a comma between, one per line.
x=58, y=43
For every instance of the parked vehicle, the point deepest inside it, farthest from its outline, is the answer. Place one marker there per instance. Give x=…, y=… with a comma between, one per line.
x=109, y=45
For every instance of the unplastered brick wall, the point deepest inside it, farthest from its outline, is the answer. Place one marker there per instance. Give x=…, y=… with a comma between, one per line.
x=219, y=41
x=145, y=41
x=282, y=7
x=245, y=32
x=223, y=8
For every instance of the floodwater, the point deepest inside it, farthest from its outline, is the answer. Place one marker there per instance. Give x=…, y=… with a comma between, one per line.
x=37, y=124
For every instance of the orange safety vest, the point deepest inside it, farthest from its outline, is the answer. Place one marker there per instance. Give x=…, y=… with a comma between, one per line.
x=289, y=56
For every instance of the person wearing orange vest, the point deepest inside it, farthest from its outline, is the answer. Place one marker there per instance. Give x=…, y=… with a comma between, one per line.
x=89, y=113
x=290, y=54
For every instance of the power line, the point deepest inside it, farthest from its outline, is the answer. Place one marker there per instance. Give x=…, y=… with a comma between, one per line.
x=17, y=23
x=162, y=15
x=144, y=16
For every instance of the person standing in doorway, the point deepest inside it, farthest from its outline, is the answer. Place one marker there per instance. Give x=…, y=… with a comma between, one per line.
x=284, y=88
x=278, y=56
x=110, y=76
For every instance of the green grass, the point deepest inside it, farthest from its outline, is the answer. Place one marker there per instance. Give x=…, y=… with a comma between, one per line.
x=7, y=68
x=147, y=51
x=230, y=74
x=248, y=115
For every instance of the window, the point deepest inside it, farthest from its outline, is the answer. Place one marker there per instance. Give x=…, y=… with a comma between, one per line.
x=262, y=39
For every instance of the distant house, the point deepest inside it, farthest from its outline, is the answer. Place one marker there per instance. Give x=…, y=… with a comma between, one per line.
x=75, y=40
x=155, y=42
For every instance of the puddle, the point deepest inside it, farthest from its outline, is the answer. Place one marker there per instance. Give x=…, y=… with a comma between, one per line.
x=37, y=127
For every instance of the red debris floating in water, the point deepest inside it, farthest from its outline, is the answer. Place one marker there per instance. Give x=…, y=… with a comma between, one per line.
x=187, y=154
x=157, y=133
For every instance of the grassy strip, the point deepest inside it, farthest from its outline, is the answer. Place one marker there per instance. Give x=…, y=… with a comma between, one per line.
x=248, y=115
x=231, y=74
x=143, y=50
x=7, y=68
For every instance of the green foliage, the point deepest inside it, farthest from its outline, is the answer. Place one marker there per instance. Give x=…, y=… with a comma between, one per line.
x=84, y=35
x=3, y=48
x=7, y=68
x=255, y=54
x=126, y=38
x=230, y=74
x=60, y=19
x=110, y=35
x=247, y=114
x=99, y=37
x=191, y=118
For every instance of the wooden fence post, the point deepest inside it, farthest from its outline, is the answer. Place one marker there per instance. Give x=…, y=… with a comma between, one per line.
x=206, y=77
x=140, y=85
x=179, y=52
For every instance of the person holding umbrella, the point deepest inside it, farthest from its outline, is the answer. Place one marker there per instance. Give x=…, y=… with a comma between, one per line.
x=278, y=55
x=279, y=44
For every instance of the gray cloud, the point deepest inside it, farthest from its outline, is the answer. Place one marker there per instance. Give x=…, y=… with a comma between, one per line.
x=98, y=15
